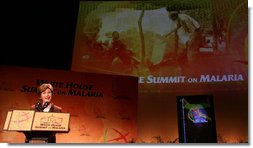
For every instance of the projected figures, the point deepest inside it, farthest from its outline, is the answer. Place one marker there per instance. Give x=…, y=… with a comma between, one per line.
x=196, y=119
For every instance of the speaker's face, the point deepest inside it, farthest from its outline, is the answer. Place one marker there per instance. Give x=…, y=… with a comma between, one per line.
x=46, y=95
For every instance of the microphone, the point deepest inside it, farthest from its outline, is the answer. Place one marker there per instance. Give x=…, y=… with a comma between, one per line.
x=40, y=107
x=45, y=105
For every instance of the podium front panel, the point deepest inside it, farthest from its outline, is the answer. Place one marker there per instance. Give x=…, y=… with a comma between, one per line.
x=44, y=121
x=21, y=120
x=7, y=120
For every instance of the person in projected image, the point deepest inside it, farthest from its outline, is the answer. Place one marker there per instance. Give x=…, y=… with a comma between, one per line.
x=187, y=31
x=44, y=104
x=119, y=55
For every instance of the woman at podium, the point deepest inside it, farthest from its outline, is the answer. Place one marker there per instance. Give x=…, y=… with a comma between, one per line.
x=44, y=104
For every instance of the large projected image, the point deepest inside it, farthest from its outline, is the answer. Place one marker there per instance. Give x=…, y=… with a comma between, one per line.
x=163, y=41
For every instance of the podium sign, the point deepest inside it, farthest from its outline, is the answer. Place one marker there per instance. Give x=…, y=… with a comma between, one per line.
x=29, y=120
x=19, y=120
x=51, y=121
x=7, y=120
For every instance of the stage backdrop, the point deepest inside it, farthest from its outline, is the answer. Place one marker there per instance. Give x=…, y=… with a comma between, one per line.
x=103, y=108
x=131, y=38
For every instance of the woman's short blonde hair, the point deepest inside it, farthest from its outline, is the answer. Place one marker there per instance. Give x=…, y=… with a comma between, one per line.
x=43, y=87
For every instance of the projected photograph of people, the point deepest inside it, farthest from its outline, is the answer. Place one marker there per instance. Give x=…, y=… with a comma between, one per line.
x=160, y=37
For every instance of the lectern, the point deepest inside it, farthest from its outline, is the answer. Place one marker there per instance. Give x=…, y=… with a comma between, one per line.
x=38, y=127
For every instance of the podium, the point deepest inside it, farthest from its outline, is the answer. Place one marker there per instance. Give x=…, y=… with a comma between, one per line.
x=38, y=127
